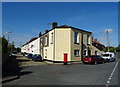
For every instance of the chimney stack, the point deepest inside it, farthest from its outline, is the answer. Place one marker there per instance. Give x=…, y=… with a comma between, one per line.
x=95, y=40
x=40, y=34
x=46, y=31
x=54, y=24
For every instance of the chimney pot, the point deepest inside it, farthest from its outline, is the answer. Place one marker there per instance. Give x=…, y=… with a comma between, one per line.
x=40, y=34
x=54, y=24
x=46, y=31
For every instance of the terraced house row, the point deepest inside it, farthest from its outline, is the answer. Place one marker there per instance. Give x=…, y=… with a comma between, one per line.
x=60, y=40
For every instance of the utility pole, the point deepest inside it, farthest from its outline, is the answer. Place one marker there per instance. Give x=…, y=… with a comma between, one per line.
x=8, y=35
x=107, y=33
x=8, y=39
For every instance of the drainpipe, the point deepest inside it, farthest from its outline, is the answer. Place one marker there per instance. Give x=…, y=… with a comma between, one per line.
x=81, y=46
x=54, y=47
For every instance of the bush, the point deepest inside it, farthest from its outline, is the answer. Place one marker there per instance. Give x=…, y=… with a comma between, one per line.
x=118, y=49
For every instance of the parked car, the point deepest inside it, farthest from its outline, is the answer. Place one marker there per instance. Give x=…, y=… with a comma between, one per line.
x=93, y=59
x=36, y=57
x=13, y=54
x=26, y=54
x=30, y=56
x=109, y=56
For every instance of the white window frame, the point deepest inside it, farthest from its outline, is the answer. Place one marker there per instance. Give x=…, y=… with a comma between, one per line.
x=88, y=39
x=52, y=37
x=76, y=37
x=77, y=54
x=46, y=38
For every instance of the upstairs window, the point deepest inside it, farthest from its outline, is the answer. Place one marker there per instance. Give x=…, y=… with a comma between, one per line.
x=51, y=38
x=46, y=40
x=41, y=42
x=76, y=38
x=88, y=39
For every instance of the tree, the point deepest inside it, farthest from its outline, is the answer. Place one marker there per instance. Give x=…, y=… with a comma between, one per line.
x=4, y=49
x=105, y=49
x=118, y=49
x=4, y=44
x=112, y=49
x=11, y=47
x=18, y=49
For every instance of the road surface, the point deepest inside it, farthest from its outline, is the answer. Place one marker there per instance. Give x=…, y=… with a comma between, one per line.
x=75, y=74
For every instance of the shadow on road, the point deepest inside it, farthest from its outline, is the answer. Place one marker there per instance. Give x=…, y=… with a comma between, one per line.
x=25, y=73
x=12, y=69
x=25, y=60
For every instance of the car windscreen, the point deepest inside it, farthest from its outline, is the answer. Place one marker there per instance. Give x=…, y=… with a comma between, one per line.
x=14, y=52
x=105, y=55
x=89, y=56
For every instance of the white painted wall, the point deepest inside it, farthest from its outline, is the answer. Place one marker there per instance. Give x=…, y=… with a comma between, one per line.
x=48, y=51
x=62, y=43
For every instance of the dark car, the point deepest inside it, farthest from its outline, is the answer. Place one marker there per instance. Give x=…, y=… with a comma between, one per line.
x=30, y=56
x=36, y=58
x=93, y=59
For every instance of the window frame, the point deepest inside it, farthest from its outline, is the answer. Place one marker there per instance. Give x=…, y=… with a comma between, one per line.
x=77, y=53
x=88, y=39
x=52, y=38
x=76, y=38
x=46, y=40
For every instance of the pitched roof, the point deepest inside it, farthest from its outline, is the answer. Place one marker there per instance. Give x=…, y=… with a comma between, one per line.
x=66, y=26
x=30, y=41
x=62, y=26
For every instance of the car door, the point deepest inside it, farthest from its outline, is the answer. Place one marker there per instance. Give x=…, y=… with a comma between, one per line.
x=100, y=59
x=96, y=58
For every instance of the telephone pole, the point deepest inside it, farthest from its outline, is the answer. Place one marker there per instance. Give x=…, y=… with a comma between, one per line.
x=8, y=35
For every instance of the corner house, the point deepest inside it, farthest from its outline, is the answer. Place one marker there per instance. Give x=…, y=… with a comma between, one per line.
x=60, y=40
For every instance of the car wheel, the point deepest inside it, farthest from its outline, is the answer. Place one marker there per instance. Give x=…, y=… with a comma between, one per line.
x=103, y=62
x=95, y=62
x=114, y=60
x=84, y=63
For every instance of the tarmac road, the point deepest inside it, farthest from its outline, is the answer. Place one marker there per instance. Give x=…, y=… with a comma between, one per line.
x=75, y=74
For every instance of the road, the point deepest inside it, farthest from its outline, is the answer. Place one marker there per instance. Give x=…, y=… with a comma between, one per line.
x=74, y=74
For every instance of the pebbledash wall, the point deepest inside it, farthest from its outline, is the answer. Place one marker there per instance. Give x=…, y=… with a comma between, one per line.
x=54, y=43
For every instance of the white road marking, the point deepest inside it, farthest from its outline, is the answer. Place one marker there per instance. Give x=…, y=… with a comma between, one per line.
x=108, y=82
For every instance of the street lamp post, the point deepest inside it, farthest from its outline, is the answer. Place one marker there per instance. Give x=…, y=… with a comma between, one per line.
x=108, y=41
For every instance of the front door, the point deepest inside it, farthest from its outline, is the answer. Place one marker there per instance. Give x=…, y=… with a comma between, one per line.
x=89, y=52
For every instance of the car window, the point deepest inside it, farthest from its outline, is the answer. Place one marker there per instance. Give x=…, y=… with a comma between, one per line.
x=99, y=57
x=105, y=55
x=14, y=52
